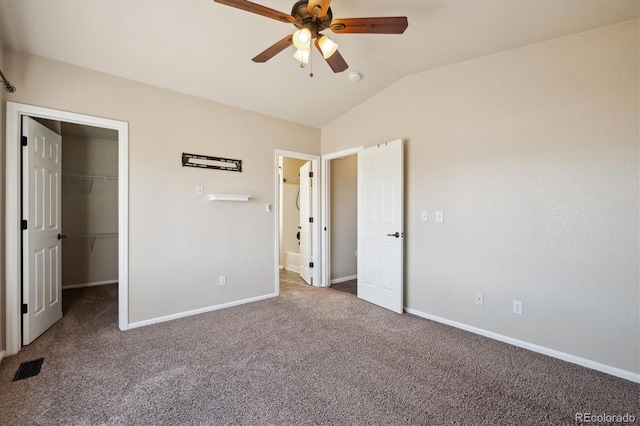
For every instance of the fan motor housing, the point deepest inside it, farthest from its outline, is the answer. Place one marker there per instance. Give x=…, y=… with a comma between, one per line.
x=304, y=19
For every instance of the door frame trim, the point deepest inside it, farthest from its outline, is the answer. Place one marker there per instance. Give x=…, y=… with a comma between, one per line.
x=13, y=272
x=326, y=209
x=318, y=277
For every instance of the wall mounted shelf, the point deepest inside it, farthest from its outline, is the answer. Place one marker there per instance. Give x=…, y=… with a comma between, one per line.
x=228, y=197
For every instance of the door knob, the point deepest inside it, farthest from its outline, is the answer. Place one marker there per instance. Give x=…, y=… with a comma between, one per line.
x=60, y=236
x=397, y=235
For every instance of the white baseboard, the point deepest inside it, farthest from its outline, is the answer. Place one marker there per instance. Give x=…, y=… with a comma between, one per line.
x=614, y=371
x=292, y=268
x=198, y=311
x=2, y=355
x=93, y=284
x=343, y=279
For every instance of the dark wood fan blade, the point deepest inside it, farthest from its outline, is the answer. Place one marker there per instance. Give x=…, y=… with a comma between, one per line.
x=386, y=25
x=335, y=61
x=276, y=48
x=258, y=9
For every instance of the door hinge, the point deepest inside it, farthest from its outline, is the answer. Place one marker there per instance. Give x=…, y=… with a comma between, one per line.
x=25, y=308
x=23, y=141
x=24, y=224
x=310, y=174
x=310, y=264
x=310, y=220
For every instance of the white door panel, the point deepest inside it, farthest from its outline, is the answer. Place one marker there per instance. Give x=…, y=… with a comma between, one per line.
x=305, y=223
x=41, y=248
x=380, y=225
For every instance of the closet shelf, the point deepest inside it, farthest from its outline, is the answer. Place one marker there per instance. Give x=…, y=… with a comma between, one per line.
x=87, y=177
x=228, y=197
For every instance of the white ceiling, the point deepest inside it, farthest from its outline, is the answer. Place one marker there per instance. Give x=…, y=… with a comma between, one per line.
x=204, y=49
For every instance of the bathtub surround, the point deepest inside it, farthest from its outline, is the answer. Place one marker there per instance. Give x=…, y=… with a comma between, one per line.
x=292, y=261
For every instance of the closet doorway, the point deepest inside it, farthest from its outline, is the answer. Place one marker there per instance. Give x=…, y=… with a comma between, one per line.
x=340, y=219
x=93, y=196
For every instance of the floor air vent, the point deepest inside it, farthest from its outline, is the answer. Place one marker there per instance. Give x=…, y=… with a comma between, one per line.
x=28, y=369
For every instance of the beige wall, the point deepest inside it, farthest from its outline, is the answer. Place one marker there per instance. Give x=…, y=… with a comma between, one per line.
x=179, y=244
x=89, y=207
x=3, y=327
x=344, y=217
x=532, y=154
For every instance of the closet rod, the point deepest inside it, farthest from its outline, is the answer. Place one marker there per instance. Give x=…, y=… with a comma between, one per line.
x=93, y=236
x=87, y=177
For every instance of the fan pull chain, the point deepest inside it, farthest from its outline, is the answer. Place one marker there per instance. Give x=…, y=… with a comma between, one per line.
x=311, y=63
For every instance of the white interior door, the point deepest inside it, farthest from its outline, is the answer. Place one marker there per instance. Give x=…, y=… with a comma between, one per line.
x=306, y=222
x=41, y=247
x=380, y=225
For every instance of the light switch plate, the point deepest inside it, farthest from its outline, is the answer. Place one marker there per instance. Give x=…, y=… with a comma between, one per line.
x=424, y=216
x=439, y=216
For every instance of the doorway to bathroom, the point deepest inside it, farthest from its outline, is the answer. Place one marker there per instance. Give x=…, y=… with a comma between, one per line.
x=298, y=244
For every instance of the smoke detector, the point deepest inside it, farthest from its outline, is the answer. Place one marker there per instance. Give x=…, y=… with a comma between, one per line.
x=355, y=76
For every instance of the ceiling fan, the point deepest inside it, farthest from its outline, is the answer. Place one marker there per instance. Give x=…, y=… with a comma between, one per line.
x=311, y=17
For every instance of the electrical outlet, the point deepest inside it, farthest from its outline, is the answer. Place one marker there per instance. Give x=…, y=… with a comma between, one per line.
x=223, y=280
x=517, y=307
x=480, y=299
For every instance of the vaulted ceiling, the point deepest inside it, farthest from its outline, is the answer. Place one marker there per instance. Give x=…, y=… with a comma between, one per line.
x=204, y=49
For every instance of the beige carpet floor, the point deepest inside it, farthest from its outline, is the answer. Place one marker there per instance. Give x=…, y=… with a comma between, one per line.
x=311, y=356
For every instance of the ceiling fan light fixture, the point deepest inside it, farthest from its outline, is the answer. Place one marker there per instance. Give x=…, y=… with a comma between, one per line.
x=327, y=46
x=302, y=39
x=302, y=56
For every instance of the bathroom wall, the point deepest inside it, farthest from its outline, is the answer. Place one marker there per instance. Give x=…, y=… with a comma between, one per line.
x=290, y=211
